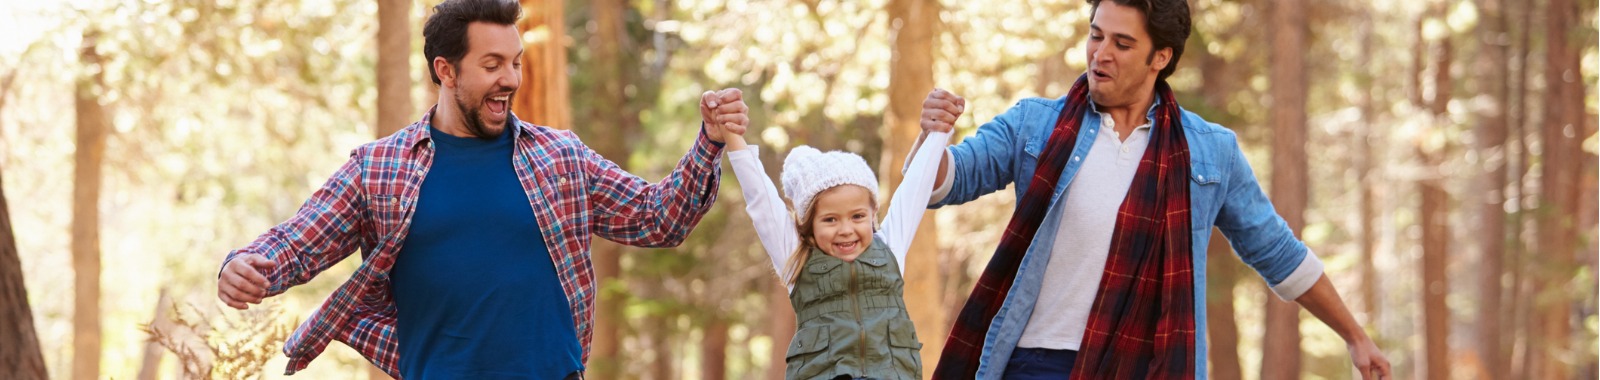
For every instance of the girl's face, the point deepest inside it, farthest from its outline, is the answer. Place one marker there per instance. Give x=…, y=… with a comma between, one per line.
x=841, y=221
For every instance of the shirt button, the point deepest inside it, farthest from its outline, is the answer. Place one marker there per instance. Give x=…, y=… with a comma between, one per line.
x=1124, y=149
x=1074, y=158
x=1201, y=177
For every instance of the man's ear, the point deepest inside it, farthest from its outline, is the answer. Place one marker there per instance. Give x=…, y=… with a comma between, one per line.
x=1161, y=59
x=446, y=73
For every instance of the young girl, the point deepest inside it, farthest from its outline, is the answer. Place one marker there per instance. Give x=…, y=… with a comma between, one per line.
x=844, y=274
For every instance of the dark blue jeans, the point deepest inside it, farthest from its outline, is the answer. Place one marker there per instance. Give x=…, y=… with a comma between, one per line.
x=1040, y=364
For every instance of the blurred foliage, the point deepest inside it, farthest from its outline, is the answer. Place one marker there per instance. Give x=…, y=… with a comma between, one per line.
x=212, y=344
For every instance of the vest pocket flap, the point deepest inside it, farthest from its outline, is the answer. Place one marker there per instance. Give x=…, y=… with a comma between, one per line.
x=809, y=340
x=1204, y=173
x=876, y=261
x=822, y=266
x=902, y=334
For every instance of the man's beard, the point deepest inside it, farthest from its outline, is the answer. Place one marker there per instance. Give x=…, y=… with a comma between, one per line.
x=473, y=119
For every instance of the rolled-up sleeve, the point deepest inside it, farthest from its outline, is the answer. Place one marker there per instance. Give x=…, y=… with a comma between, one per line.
x=982, y=163
x=1261, y=237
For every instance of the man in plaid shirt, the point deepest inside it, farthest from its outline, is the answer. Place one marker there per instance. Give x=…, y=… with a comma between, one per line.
x=474, y=226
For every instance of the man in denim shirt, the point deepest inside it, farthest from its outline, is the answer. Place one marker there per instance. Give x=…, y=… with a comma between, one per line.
x=1080, y=279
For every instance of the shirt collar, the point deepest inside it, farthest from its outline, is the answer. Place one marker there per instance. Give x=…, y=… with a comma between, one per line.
x=1149, y=114
x=422, y=134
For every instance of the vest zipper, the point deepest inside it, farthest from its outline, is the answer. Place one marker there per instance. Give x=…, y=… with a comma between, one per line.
x=855, y=301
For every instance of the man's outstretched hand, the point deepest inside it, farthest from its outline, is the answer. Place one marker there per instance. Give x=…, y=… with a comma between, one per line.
x=724, y=113
x=1369, y=361
x=244, y=280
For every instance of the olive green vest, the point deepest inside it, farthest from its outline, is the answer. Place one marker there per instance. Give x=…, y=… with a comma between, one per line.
x=852, y=319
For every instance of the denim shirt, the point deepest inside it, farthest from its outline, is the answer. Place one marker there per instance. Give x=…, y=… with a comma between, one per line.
x=1223, y=192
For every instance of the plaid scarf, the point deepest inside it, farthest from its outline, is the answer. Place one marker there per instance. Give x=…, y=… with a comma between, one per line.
x=1142, y=321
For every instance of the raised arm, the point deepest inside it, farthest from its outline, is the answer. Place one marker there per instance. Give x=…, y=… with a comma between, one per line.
x=982, y=163
x=774, y=225
x=910, y=200
x=940, y=110
x=631, y=211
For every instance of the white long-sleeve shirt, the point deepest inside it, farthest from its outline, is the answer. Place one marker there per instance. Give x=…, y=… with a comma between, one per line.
x=775, y=226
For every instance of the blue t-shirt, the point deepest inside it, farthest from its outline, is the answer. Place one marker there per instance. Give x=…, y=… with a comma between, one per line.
x=474, y=284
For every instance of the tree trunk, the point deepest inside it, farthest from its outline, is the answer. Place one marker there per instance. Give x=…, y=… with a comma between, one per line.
x=1366, y=179
x=19, y=356
x=432, y=94
x=1281, y=340
x=665, y=343
x=394, y=66
x=609, y=324
x=1435, y=242
x=91, y=147
x=910, y=80
x=1435, y=219
x=1223, y=330
x=780, y=328
x=1490, y=144
x=610, y=124
x=714, y=350
x=542, y=98
x=1517, y=309
x=394, y=83
x=1560, y=139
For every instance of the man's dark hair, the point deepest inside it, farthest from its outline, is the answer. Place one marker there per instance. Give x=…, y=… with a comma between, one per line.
x=445, y=34
x=1167, y=22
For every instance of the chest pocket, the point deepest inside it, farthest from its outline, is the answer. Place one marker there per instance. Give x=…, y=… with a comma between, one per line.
x=826, y=279
x=875, y=261
x=1204, y=174
x=826, y=276
x=1206, y=189
x=388, y=214
x=562, y=201
x=1029, y=160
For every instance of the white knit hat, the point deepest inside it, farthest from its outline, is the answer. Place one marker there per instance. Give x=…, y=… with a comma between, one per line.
x=808, y=171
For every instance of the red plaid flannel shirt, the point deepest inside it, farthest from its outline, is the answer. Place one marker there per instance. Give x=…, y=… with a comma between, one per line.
x=368, y=204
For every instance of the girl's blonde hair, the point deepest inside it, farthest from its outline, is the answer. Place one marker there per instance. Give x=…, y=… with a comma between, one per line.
x=802, y=253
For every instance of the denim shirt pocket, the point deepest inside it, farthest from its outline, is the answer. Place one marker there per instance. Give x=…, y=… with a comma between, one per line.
x=1029, y=159
x=1206, y=194
x=1204, y=173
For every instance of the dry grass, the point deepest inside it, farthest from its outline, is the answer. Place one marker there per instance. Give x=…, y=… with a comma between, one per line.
x=211, y=344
